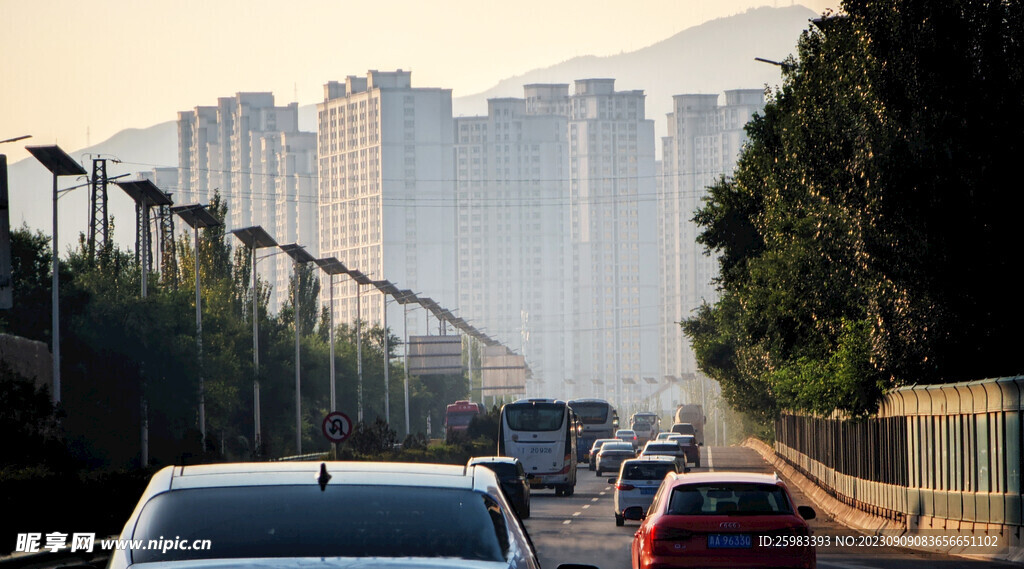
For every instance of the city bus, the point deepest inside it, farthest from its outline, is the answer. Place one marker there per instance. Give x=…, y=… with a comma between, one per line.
x=542, y=434
x=600, y=421
x=458, y=415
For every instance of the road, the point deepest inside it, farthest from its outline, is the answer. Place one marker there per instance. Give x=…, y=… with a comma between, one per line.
x=581, y=528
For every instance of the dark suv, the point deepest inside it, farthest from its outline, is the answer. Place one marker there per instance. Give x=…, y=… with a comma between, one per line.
x=513, y=479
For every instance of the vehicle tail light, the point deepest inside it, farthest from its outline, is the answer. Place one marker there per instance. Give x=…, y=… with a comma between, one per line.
x=621, y=486
x=662, y=533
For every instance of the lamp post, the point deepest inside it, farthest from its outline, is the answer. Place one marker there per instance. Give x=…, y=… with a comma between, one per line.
x=196, y=215
x=360, y=279
x=386, y=288
x=254, y=238
x=406, y=297
x=145, y=194
x=298, y=255
x=59, y=164
x=332, y=266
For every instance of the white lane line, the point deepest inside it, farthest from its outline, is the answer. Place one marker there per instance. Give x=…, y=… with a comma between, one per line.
x=593, y=499
x=711, y=462
x=574, y=514
x=586, y=506
x=566, y=522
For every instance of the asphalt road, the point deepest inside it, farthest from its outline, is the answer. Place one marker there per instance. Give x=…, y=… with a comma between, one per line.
x=581, y=528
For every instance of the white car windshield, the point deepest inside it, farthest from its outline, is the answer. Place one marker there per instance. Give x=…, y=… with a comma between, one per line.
x=341, y=521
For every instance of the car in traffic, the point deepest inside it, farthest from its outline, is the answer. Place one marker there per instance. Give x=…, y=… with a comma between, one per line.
x=638, y=480
x=689, y=445
x=293, y=515
x=664, y=435
x=666, y=448
x=611, y=455
x=684, y=429
x=722, y=519
x=513, y=479
x=592, y=453
x=628, y=435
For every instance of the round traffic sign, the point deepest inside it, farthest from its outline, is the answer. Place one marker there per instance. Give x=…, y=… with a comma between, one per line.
x=337, y=427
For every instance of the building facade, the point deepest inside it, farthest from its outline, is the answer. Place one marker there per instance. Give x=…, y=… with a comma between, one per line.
x=387, y=190
x=557, y=235
x=251, y=153
x=614, y=240
x=703, y=143
x=513, y=229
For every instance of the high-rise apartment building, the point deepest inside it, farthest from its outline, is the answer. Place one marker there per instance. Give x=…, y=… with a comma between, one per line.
x=387, y=189
x=252, y=153
x=557, y=235
x=614, y=239
x=704, y=140
x=514, y=258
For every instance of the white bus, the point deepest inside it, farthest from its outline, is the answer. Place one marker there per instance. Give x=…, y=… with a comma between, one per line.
x=541, y=433
x=600, y=421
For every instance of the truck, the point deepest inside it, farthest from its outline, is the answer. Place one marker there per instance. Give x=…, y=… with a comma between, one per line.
x=694, y=415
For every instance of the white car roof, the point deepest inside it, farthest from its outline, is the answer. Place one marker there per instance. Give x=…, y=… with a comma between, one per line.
x=287, y=473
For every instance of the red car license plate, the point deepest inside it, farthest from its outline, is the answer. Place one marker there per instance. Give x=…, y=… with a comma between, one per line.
x=729, y=541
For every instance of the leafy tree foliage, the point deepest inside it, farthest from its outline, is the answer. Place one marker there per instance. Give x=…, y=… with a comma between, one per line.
x=120, y=350
x=867, y=235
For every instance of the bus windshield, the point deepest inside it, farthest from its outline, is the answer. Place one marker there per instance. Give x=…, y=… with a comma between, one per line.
x=591, y=413
x=535, y=416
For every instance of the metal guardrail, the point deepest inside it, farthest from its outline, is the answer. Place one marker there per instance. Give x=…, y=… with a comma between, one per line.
x=937, y=452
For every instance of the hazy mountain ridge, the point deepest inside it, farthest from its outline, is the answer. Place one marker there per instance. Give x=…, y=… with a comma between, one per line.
x=677, y=65
x=733, y=42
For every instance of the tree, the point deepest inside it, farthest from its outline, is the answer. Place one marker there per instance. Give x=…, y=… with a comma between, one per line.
x=864, y=238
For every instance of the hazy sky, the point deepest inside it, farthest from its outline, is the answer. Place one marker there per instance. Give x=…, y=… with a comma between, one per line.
x=72, y=67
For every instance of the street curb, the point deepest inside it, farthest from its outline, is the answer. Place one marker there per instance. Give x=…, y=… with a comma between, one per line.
x=858, y=520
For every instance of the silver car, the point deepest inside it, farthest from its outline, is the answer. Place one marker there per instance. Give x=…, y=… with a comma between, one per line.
x=611, y=455
x=329, y=514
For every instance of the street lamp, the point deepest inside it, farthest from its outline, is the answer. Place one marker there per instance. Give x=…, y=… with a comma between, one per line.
x=254, y=238
x=332, y=266
x=59, y=164
x=298, y=255
x=360, y=279
x=196, y=215
x=405, y=298
x=386, y=288
x=146, y=195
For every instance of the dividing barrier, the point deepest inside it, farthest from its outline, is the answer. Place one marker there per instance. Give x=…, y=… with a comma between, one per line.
x=933, y=457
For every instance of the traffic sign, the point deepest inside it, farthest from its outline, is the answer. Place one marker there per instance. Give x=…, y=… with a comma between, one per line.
x=337, y=427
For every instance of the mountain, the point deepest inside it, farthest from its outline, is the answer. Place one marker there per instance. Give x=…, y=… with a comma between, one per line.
x=31, y=185
x=709, y=58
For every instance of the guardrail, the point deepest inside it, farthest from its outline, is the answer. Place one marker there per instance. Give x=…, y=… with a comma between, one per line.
x=936, y=456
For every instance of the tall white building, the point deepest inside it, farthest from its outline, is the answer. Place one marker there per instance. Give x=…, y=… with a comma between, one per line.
x=251, y=152
x=387, y=189
x=614, y=239
x=703, y=143
x=514, y=258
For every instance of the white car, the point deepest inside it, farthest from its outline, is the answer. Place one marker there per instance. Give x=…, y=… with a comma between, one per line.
x=638, y=481
x=293, y=515
x=611, y=455
x=668, y=448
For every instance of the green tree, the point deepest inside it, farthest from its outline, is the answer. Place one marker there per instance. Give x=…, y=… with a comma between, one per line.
x=864, y=239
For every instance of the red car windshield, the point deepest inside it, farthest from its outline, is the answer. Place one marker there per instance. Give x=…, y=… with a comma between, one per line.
x=717, y=499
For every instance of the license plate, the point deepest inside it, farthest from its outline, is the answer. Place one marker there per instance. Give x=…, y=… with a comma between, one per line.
x=729, y=541
x=648, y=491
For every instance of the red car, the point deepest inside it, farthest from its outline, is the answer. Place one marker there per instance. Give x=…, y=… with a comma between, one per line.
x=722, y=519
